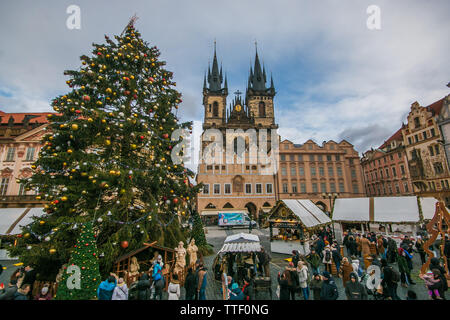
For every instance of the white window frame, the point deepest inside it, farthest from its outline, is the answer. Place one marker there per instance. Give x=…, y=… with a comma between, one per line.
x=256, y=188
x=27, y=157
x=225, y=188
x=206, y=184
x=245, y=188
x=214, y=188
x=271, y=187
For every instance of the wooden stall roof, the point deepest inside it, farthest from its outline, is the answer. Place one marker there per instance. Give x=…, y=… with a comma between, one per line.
x=302, y=211
x=146, y=246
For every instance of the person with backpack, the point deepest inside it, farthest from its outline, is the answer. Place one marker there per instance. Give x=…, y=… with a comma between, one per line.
x=327, y=258
x=403, y=267
x=120, y=291
x=329, y=290
x=106, y=288
x=391, y=277
x=336, y=255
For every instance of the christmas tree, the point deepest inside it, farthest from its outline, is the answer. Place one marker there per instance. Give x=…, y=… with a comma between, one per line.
x=108, y=158
x=82, y=276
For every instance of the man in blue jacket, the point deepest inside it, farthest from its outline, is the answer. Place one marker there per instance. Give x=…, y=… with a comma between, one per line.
x=106, y=288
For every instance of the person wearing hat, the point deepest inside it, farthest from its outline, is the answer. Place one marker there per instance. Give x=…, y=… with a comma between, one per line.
x=9, y=293
x=316, y=285
x=346, y=270
x=314, y=260
x=354, y=290
x=44, y=294
x=329, y=290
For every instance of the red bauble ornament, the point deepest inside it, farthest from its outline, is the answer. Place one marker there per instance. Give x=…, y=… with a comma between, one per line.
x=56, y=201
x=151, y=79
x=135, y=96
x=165, y=135
x=175, y=200
x=19, y=236
x=78, y=111
x=123, y=244
x=126, y=92
x=86, y=98
x=99, y=53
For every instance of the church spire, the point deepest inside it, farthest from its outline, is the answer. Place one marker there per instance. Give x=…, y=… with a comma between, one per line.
x=215, y=76
x=258, y=80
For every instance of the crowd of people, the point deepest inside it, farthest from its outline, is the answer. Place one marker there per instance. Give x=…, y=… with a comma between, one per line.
x=306, y=277
x=303, y=274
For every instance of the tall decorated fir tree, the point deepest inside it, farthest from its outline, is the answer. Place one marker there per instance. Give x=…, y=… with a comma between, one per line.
x=107, y=159
x=82, y=276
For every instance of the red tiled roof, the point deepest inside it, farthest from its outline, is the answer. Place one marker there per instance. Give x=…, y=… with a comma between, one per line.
x=436, y=106
x=397, y=136
x=41, y=117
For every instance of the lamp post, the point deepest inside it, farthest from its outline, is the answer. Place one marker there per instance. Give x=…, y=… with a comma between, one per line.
x=331, y=197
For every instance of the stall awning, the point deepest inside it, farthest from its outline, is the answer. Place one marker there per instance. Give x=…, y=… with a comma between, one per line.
x=241, y=247
x=309, y=214
x=11, y=219
x=242, y=237
x=215, y=212
x=428, y=206
x=377, y=209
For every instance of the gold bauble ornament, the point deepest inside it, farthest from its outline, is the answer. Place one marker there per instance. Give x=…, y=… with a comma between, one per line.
x=64, y=198
x=52, y=251
x=74, y=126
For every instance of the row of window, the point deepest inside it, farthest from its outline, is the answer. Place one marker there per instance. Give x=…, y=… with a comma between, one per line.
x=4, y=184
x=391, y=157
x=10, y=154
x=312, y=157
x=421, y=136
x=310, y=146
x=227, y=189
x=381, y=189
x=374, y=174
x=315, y=189
x=313, y=172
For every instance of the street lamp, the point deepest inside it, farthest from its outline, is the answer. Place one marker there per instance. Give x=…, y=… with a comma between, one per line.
x=331, y=197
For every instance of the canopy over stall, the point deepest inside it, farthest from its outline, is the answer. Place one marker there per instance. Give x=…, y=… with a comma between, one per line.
x=400, y=210
x=241, y=242
x=295, y=220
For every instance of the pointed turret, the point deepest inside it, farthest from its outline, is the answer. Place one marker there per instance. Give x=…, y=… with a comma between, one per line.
x=215, y=75
x=204, y=82
x=258, y=77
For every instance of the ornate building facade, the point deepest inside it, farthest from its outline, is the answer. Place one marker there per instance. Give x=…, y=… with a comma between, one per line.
x=20, y=142
x=309, y=171
x=245, y=184
x=386, y=171
x=426, y=156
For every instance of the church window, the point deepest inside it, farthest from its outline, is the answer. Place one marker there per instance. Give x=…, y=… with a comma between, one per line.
x=215, y=109
x=262, y=109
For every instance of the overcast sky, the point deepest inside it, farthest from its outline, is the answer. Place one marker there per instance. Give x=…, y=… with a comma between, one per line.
x=335, y=78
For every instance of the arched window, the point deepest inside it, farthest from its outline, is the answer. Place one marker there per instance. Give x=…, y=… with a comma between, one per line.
x=242, y=144
x=215, y=109
x=262, y=109
x=210, y=206
x=228, y=205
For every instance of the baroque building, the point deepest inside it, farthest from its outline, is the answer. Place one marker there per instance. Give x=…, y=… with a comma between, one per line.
x=20, y=142
x=386, y=171
x=311, y=171
x=424, y=148
x=235, y=179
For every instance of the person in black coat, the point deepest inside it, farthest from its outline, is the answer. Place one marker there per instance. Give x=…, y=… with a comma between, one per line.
x=190, y=284
x=248, y=289
x=29, y=278
x=439, y=285
x=388, y=283
x=354, y=290
x=143, y=288
x=329, y=289
x=435, y=264
x=284, y=286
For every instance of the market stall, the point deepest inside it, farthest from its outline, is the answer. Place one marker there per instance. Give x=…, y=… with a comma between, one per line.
x=393, y=216
x=291, y=224
x=238, y=258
